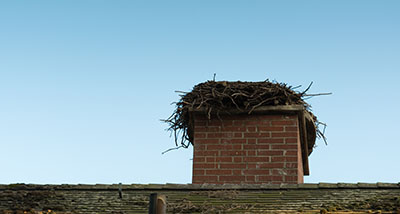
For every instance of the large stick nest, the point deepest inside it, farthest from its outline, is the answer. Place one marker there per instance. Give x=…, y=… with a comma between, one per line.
x=221, y=96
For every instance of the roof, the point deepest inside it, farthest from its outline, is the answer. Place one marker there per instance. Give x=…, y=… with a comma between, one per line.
x=190, y=198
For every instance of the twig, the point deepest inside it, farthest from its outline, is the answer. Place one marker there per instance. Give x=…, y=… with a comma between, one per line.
x=321, y=134
x=309, y=86
x=295, y=87
x=168, y=150
x=258, y=105
x=313, y=95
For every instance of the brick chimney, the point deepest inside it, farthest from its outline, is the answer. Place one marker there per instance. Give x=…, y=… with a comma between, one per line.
x=267, y=146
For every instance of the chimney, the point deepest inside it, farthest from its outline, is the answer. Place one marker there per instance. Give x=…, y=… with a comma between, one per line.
x=267, y=146
x=245, y=132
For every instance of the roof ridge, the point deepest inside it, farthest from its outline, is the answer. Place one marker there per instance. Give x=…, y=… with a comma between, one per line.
x=171, y=186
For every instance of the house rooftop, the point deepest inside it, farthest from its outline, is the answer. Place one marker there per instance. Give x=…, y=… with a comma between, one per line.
x=206, y=198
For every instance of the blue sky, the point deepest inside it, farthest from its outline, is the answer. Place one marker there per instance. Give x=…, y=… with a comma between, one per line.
x=84, y=84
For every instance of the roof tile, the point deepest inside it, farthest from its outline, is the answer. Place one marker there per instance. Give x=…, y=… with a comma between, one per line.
x=327, y=185
x=387, y=185
x=367, y=185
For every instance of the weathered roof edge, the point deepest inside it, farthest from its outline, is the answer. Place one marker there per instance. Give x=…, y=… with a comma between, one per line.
x=198, y=187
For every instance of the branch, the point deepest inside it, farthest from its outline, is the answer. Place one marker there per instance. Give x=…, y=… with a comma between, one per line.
x=302, y=93
x=168, y=150
x=313, y=95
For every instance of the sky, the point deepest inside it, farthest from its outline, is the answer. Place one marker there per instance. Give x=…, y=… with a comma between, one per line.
x=84, y=84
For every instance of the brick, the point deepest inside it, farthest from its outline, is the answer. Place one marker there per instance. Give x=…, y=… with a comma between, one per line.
x=256, y=146
x=206, y=141
x=237, y=147
x=232, y=178
x=284, y=159
x=291, y=165
x=200, y=129
x=252, y=166
x=256, y=159
x=224, y=117
x=200, y=123
x=199, y=147
x=227, y=123
x=223, y=159
x=251, y=129
x=256, y=172
x=233, y=129
x=251, y=153
x=284, y=146
x=284, y=172
x=284, y=134
x=220, y=135
x=200, y=135
x=293, y=117
x=199, y=117
x=199, y=159
x=269, y=153
x=205, y=179
x=204, y=166
x=219, y=147
x=290, y=159
x=270, y=140
x=291, y=140
x=270, y=128
x=218, y=172
x=283, y=122
x=237, y=159
x=251, y=178
x=198, y=172
x=291, y=153
x=206, y=153
x=256, y=135
x=270, y=178
x=203, y=129
x=233, y=153
x=210, y=159
x=251, y=141
x=213, y=129
x=270, y=117
x=234, y=141
x=238, y=123
x=238, y=135
x=214, y=123
x=290, y=178
x=291, y=129
x=271, y=165
x=256, y=122
x=237, y=172
x=232, y=166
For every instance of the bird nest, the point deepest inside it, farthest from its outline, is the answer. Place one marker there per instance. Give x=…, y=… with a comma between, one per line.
x=217, y=97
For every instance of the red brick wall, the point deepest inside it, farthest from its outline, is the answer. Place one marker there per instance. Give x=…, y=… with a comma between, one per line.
x=250, y=149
